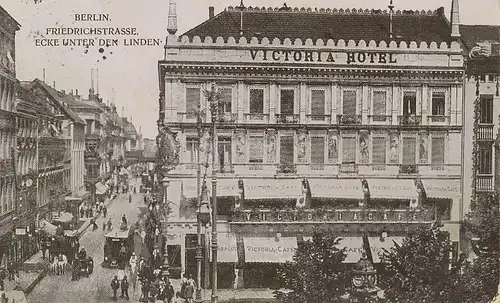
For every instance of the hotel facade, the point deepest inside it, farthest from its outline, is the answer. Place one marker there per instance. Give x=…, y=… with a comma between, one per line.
x=343, y=120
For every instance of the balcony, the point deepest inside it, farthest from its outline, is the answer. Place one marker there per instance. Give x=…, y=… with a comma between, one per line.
x=408, y=169
x=380, y=119
x=410, y=120
x=485, y=132
x=438, y=120
x=188, y=117
x=318, y=119
x=286, y=169
x=484, y=183
x=287, y=118
x=256, y=118
x=228, y=117
x=349, y=119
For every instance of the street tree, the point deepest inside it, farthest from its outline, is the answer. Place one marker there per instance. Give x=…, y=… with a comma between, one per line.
x=317, y=273
x=418, y=269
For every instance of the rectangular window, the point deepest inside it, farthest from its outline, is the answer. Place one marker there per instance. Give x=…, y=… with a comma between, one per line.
x=317, y=150
x=438, y=102
x=224, y=153
x=409, y=103
x=349, y=103
x=485, y=159
x=437, y=150
x=256, y=101
x=193, y=95
x=256, y=145
x=379, y=146
x=192, y=150
x=486, y=109
x=379, y=103
x=287, y=101
x=286, y=150
x=225, y=100
x=409, y=150
x=348, y=150
x=317, y=102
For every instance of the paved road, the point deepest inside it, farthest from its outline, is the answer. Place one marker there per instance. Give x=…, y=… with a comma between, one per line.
x=96, y=288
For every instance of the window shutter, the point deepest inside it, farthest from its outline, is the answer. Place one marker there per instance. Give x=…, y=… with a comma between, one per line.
x=409, y=150
x=287, y=100
x=379, y=99
x=225, y=100
x=286, y=150
x=486, y=114
x=256, y=101
x=318, y=150
x=349, y=103
x=192, y=99
x=437, y=151
x=317, y=102
x=256, y=149
x=349, y=150
x=379, y=150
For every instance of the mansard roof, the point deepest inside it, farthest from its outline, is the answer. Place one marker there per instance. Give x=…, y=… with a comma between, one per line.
x=355, y=24
x=471, y=34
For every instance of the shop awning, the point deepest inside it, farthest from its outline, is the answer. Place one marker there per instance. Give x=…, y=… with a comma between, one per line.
x=48, y=227
x=336, y=188
x=227, y=251
x=64, y=217
x=261, y=189
x=100, y=189
x=377, y=246
x=442, y=189
x=353, y=248
x=225, y=188
x=392, y=189
x=269, y=250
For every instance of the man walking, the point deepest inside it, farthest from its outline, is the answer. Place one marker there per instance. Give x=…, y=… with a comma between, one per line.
x=125, y=288
x=104, y=211
x=109, y=224
x=115, y=284
x=170, y=292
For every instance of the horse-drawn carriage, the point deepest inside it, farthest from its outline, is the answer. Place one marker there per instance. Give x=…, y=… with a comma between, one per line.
x=63, y=244
x=118, y=247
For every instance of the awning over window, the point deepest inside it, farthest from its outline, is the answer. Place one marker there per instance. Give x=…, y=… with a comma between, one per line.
x=226, y=248
x=442, y=189
x=48, y=227
x=225, y=188
x=354, y=248
x=260, y=189
x=377, y=246
x=63, y=217
x=392, y=189
x=100, y=189
x=269, y=250
x=336, y=188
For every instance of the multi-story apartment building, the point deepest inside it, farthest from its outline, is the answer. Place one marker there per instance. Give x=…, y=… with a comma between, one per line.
x=8, y=83
x=344, y=120
x=482, y=109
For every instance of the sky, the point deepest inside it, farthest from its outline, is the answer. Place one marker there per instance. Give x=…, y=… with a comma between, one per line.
x=129, y=74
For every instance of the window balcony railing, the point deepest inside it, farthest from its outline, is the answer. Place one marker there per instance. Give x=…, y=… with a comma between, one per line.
x=380, y=118
x=408, y=169
x=485, y=132
x=256, y=118
x=228, y=117
x=349, y=119
x=438, y=119
x=255, y=166
x=228, y=169
x=188, y=117
x=286, y=169
x=410, y=120
x=287, y=118
x=318, y=118
x=484, y=183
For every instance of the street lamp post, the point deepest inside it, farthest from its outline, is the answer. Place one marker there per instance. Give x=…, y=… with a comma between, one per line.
x=166, y=266
x=199, y=256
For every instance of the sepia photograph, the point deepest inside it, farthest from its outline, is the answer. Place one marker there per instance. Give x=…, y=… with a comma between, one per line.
x=241, y=151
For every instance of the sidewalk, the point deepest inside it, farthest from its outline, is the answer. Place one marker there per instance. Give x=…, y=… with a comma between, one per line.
x=35, y=268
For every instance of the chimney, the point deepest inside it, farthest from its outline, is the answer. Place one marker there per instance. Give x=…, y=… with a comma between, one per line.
x=211, y=12
x=97, y=81
x=44, y=75
x=71, y=93
x=63, y=91
x=455, y=20
x=54, y=84
x=123, y=111
x=77, y=93
x=172, y=18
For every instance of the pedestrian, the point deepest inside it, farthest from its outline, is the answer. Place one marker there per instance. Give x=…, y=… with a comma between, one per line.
x=76, y=270
x=115, y=284
x=154, y=289
x=44, y=248
x=10, y=270
x=103, y=225
x=3, y=298
x=124, y=286
x=90, y=265
x=133, y=262
x=145, y=290
x=109, y=224
x=124, y=220
x=104, y=211
x=82, y=212
x=3, y=275
x=189, y=292
x=169, y=292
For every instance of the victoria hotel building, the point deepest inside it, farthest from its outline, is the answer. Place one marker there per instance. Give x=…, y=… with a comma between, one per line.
x=329, y=119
